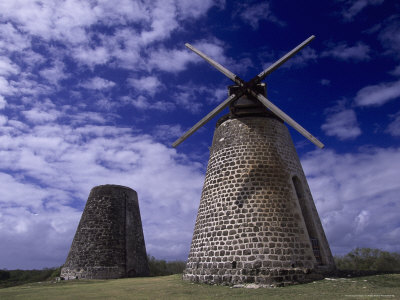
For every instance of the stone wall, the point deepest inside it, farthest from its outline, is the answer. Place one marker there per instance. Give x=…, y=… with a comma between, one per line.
x=251, y=223
x=109, y=241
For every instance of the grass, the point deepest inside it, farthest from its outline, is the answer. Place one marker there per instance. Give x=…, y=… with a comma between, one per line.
x=172, y=287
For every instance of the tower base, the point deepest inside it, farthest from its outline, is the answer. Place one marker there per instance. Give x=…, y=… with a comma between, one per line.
x=257, y=222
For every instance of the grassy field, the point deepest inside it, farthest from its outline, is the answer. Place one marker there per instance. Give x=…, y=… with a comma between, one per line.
x=172, y=287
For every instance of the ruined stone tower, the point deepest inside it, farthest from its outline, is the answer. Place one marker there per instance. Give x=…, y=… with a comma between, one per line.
x=109, y=241
x=257, y=221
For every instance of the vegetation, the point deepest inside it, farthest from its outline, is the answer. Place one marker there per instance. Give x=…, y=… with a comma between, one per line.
x=367, y=259
x=163, y=268
x=16, y=277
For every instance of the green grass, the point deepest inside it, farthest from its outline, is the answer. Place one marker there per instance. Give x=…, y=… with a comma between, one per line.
x=172, y=287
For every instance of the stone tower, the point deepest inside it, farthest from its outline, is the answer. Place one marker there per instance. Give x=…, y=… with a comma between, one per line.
x=109, y=241
x=257, y=221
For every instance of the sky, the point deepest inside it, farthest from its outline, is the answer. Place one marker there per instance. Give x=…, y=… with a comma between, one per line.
x=95, y=92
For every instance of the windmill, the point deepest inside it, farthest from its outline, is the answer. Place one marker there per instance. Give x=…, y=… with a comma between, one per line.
x=257, y=221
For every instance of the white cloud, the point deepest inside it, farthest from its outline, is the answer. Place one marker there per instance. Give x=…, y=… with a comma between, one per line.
x=65, y=163
x=194, y=9
x=39, y=115
x=220, y=94
x=396, y=71
x=394, y=126
x=167, y=132
x=163, y=22
x=150, y=84
x=144, y=103
x=389, y=36
x=352, y=192
x=3, y=120
x=91, y=57
x=7, y=67
x=49, y=19
x=305, y=56
x=54, y=73
x=325, y=82
x=253, y=14
x=379, y=94
x=354, y=7
x=171, y=60
x=98, y=83
x=342, y=124
x=5, y=87
x=215, y=49
x=68, y=22
x=3, y=102
x=342, y=51
x=11, y=39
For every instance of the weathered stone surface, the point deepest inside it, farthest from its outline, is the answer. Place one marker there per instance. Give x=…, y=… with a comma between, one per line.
x=256, y=215
x=109, y=241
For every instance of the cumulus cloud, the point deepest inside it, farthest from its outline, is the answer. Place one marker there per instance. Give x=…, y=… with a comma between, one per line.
x=3, y=102
x=65, y=163
x=253, y=14
x=302, y=58
x=186, y=95
x=394, y=126
x=36, y=115
x=379, y=94
x=342, y=51
x=171, y=60
x=3, y=120
x=144, y=103
x=396, y=71
x=7, y=67
x=11, y=39
x=55, y=73
x=150, y=84
x=98, y=83
x=68, y=22
x=342, y=124
x=352, y=192
x=325, y=82
x=389, y=36
x=354, y=7
x=215, y=49
x=167, y=133
x=91, y=56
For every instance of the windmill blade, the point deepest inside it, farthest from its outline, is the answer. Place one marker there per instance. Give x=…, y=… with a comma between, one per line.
x=286, y=118
x=207, y=118
x=281, y=61
x=216, y=65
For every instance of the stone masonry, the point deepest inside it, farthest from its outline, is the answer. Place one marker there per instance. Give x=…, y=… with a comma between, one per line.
x=257, y=221
x=109, y=241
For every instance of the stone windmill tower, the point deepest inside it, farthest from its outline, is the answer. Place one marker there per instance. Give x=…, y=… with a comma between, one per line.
x=109, y=241
x=257, y=221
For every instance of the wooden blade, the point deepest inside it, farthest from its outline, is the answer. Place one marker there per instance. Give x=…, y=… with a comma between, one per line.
x=208, y=117
x=281, y=61
x=286, y=118
x=216, y=65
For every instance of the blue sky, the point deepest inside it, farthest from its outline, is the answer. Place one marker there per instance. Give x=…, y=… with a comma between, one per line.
x=95, y=92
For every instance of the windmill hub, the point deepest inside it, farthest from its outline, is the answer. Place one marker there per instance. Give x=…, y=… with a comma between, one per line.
x=247, y=104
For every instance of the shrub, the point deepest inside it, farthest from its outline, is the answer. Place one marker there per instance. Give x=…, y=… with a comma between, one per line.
x=160, y=267
x=4, y=275
x=368, y=259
